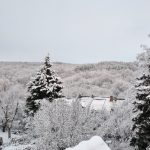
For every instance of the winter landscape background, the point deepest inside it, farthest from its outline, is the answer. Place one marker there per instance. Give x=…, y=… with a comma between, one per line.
x=45, y=109
x=101, y=79
x=74, y=75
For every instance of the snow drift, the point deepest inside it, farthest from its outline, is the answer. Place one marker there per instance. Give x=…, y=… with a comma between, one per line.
x=95, y=143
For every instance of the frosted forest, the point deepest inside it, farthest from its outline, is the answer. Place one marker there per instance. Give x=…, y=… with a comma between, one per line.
x=74, y=75
x=56, y=106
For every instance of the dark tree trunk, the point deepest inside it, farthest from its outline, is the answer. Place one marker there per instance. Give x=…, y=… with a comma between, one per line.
x=4, y=125
x=4, y=128
x=1, y=141
x=9, y=133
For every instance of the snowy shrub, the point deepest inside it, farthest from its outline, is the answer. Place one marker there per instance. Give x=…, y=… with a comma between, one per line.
x=59, y=125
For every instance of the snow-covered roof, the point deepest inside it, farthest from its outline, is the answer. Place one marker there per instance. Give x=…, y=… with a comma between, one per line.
x=98, y=103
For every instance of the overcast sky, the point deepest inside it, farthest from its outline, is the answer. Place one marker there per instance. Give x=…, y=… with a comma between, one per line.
x=74, y=31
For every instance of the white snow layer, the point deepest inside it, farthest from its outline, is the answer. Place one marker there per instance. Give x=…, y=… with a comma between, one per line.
x=95, y=143
x=7, y=146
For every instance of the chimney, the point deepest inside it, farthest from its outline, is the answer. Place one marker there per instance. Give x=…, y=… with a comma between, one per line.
x=111, y=98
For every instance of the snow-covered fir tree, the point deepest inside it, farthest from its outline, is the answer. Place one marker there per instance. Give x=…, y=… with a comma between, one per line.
x=45, y=85
x=141, y=126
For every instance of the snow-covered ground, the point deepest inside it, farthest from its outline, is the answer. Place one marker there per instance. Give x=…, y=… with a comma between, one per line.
x=8, y=146
x=4, y=135
x=18, y=147
x=95, y=143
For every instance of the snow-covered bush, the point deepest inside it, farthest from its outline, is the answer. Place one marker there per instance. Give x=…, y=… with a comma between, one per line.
x=59, y=125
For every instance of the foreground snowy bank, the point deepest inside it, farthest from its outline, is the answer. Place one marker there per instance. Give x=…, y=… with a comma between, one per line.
x=9, y=145
x=95, y=143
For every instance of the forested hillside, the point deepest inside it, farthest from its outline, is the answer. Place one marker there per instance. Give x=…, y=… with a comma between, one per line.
x=104, y=78
x=100, y=79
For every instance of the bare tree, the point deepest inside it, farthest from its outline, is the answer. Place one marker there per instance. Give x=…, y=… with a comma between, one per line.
x=9, y=103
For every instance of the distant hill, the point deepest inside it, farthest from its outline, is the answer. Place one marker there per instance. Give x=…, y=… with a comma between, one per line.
x=103, y=78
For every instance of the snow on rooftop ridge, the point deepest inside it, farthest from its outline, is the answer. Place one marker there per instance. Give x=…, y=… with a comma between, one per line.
x=95, y=143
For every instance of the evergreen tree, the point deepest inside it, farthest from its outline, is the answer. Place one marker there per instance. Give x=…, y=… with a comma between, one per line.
x=141, y=127
x=46, y=85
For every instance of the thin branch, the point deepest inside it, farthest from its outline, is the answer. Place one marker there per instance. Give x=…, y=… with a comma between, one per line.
x=2, y=107
x=16, y=110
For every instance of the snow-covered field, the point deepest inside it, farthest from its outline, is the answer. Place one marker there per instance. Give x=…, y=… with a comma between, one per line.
x=95, y=143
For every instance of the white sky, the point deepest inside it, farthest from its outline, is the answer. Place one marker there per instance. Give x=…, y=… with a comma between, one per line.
x=75, y=31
